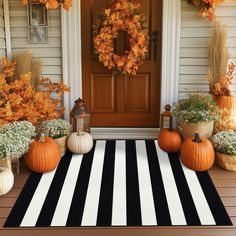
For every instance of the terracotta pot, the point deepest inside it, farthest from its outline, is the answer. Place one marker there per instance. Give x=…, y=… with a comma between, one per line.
x=62, y=144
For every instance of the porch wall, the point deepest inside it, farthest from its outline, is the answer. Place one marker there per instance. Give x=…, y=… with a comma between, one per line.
x=2, y=32
x=195, y=32
x=50, y=52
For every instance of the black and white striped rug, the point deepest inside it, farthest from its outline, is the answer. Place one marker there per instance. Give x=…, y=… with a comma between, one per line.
x=119, y=183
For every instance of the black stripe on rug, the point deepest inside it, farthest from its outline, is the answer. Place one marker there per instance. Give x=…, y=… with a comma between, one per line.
x=185, y=196
x=161, y=206
x=19, y=209
x=216, y=205
x=104, y=216
x=132, y=186
x=50, y=204
x=77, y=206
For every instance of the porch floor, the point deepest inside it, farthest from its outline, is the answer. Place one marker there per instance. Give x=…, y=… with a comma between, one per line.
x=225, y=182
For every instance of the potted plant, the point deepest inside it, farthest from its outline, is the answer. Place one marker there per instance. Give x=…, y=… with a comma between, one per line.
x=196, y=114
x=59, y=130
x=224, y=143
x=15, y=138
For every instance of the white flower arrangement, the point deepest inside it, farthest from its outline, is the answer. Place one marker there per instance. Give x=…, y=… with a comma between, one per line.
x=56, y=128
x=13, y=145
x=225, y=142
x=15, y=139
x=24, y=128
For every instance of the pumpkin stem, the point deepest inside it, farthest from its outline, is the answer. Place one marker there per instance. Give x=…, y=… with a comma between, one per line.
x=79, y=133
x=197, y=138
x=41, y=138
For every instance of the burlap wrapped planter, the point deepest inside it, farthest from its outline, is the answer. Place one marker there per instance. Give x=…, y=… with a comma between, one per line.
x=227, y=162
x=62, y=145
x=205, y=129
x=5, y=163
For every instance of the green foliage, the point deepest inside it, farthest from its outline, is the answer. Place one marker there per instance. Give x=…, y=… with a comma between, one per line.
x=196, y=108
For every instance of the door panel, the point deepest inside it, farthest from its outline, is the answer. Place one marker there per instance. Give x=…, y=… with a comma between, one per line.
x=103, y=93
x=117, y=100
x=138, y=93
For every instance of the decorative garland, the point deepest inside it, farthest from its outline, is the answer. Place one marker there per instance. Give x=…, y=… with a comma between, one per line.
x=51, y=4
x=207, y=7
x=122, y=15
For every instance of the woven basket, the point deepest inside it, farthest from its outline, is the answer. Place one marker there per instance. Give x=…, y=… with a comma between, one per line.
x=5, y=163
x=205, y=129
x=62, y=145
x=227, y=162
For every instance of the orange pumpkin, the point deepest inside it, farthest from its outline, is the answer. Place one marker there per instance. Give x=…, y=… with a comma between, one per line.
x=228, y=120
x=43, y=155
x=197, y=153
x=169, y=140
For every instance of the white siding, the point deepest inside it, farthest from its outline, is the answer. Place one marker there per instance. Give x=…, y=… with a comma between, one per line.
x=2, y=32
x=195, y=32
x=50, y=52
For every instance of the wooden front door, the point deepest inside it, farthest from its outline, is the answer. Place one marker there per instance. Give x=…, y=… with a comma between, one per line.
x=115, y=101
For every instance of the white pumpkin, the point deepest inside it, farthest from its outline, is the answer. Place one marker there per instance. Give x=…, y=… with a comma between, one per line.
x=80, y=142
x=6, y=180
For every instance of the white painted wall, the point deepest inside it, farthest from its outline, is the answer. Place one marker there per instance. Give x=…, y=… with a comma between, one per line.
x=2, y=32
x=50, y=52
x=195, y=32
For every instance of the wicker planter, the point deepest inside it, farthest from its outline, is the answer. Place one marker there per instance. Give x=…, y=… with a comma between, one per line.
x=61, y=143
x=227, y=162
x=205, y=129
x=5, y=163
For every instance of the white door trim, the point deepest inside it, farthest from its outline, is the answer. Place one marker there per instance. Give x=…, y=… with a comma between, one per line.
x=72, y=61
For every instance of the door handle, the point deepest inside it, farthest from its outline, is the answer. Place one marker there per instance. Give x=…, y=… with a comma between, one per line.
x=155, y=36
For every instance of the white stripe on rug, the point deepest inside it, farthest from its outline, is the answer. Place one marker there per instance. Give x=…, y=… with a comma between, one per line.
x=148, y=212
x=92, y=199
x=63, y=206
x=119, y=189
x=174, y=204
x=199, y=198
x=36, y=203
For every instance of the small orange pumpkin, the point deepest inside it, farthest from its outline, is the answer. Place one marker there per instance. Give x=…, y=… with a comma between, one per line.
x=169, y=140
x=197, y=153
x=228, y=120
x=43, y=155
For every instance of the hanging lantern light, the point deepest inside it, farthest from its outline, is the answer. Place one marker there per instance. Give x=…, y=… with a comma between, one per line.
x=80, y=117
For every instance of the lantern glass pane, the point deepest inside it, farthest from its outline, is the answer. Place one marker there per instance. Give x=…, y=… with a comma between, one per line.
x=80, y=124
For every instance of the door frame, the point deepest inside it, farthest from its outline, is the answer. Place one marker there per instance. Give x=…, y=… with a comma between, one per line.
x=72, y=60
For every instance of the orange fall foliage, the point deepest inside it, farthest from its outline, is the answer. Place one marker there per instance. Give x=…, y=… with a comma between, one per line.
x=20, y=101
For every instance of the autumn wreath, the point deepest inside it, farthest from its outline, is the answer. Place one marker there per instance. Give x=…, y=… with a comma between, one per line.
x=125, y=16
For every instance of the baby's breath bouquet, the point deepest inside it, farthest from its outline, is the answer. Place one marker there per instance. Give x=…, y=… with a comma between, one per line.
x=24, y=128
x=56, y=128
x=196, y=108
x=13, y=145
x=15, y=139
x=225, y=142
